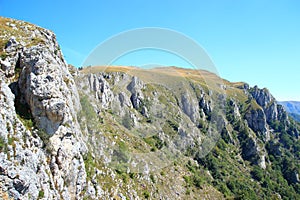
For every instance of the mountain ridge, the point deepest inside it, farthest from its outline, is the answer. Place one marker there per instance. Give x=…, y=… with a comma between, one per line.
x=293, y=108
x=123, y=133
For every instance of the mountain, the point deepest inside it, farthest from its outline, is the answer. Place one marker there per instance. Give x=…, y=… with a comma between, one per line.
x=293, y=108
x=128, y=133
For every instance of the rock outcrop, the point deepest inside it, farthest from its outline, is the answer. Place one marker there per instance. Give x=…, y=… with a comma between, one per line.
x=46, y=100
x=113, y=134
x=272, y=110
x=256, y=119
x=135, y=87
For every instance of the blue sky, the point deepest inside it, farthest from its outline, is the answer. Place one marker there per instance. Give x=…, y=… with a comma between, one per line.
x=255, y=41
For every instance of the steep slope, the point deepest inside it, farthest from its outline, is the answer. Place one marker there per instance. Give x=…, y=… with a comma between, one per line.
x=41, y=152
x=129, y=133
x=255, y=157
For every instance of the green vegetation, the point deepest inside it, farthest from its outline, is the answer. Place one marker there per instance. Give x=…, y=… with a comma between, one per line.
x=146, y=194
x=3, y=145
x=171, y=127
x=88, y=115
x=41, y=194
x=228, y=168
x=89, y=165
x=3, y=55
x=7, y=31
x=127, y=121
x=121, y=154
x=155, y=142
x=230, y=177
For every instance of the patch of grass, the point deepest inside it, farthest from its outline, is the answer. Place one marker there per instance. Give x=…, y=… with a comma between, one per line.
x=163, y=99
x=44, y=136
x=121, y=155
x=88, y=115
x=146, y=194
x=8, y=31
x=3, y=55
x=28, y=123
x=35, y=41
x=152, y=178
x=41, y=194
x=197, y=178
x=3, y=145
x=89, y=165
x=10, y=140
x=171, y=127
x=155, y=142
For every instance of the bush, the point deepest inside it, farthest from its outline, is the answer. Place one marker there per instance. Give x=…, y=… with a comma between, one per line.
x=286, y=140
x=146, y=194
x=41, y=194
x=3, y=145
x=257, y=173
x=155, y=142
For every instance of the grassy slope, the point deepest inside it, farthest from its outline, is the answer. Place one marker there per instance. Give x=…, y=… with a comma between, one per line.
x=21, y=30
x=233, y=176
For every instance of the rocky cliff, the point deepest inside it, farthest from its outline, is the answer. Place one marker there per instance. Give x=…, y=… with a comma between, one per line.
x=41, y=154
x=129, y=133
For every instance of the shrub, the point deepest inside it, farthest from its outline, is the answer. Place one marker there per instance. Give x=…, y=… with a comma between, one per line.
x=257, y=173
x=41, y=194
x=3, y=55
x=155, y=142
x=146, y=194
x=286, y=140
x=3, y=145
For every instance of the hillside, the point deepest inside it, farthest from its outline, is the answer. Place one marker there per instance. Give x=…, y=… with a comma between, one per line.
x=293, y=108
x=123, y=132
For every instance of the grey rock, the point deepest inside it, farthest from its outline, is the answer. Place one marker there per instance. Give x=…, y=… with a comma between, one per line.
x=124, y=100
x=11, y=45
x=257, y=122
x=272, y=110
x=101, y=87
x=253, y=152
x=190, y=106
x=135, y=87
x=91, y=192
x=205, y=105
x=46, y=85
x=145, y=112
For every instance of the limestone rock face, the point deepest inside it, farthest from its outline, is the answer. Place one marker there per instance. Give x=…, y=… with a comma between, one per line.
x=128, y=133
x=257, y=121
x=135, y=88
x=190, y=106
x=24, y=168
x=253, y=152
x=46, y=94
x=101, y=88
x=272, y=110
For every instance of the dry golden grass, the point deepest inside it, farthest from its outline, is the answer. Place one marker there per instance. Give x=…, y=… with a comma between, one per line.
x=176, y=78
x=21, y=30
x=173, y=76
